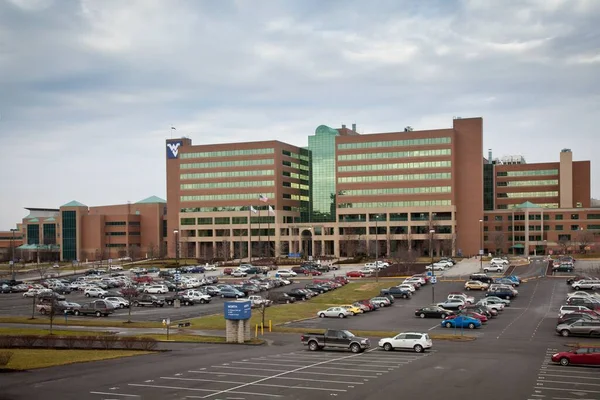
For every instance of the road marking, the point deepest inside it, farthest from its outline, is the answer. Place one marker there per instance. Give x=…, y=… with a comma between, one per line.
x=435, y=326
x=117, y=394
x=248, y=393
x=259, y=384
x=359, y=362
x=521, y=314
x=567, y=390
x=571, y=371
x=579, y=377
x=253, y=369
x=172, y=387
x=267, y=376
x=547, y=312
x=573, y=383
x=278, y=375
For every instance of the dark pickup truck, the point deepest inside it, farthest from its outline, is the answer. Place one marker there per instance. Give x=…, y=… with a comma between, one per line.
x=340, y=339
x=183, y=300
x=97, y=308
x=148, y=300
x=396, y=292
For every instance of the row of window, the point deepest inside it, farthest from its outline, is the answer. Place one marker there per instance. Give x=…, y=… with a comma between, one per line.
x=395, y=154
x=295, y=197
x=122, y=234
x=416, y=203
x=538, y=217
x=296, y=185
x=512, y=206
x=220, y=164
x=521, y=228
x=296, y=156
x=409, y=165
x=395, y=143
x=549, y=182
x=227, y=153
x=231, y=196
x=19, y=237
x=295, y=175
x=392, y=178
x=534, y=172
x=216, y=185
x=226, y=174
x=296, y=166
x=384, y=191
x=519, y=195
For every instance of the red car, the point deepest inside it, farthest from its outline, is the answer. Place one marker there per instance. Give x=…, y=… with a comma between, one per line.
x=424, y=276
x=580, y=356
x=342, y=280
x=355, y=274
x=228, y=271
x=367, y=303
x=475, y=315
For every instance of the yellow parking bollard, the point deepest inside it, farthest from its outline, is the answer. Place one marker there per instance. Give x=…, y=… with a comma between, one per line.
x=269, y=325
x=256, y=331
x=262, y=329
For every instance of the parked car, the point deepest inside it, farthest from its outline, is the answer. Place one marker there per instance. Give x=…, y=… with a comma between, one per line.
x=568, y=309
x=481, y=278
x=580, y=356
x=285, y=273
x=565, y=267
x=396, y=292
x=476, y=285
x=503, y=293
x=579, y=328
x=94, y=292
x=355, y=274
x=118, y=302
x=148, y=300
x=156, y=289
x=501, y=261
x=419, y=342
x=452, y=304
x=381, y=301
x=259, y=301
x=98, y=308
x=282, y=298
x=493, y=268
x=433, y=312
x=586, y=284
x=340, y=339
x=461, y=321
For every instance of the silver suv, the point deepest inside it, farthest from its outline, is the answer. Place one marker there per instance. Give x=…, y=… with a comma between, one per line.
x=589, y=284
x=581, y=327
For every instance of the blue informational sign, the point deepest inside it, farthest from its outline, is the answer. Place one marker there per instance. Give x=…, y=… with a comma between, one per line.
x=294, y=255
x=429, y=273
x=434, y=279
x=241, y=309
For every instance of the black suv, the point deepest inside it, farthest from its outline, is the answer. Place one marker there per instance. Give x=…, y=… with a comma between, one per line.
x=482, y=278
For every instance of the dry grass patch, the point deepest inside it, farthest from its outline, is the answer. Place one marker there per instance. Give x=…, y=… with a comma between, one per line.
x=25, y=359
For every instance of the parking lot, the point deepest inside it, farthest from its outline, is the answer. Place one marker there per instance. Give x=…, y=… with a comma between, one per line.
x=297, y=374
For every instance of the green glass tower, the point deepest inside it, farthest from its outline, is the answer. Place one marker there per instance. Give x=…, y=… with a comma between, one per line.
x=322, y=190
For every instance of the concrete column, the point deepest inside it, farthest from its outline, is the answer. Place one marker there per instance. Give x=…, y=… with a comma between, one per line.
x=197, y=250
x=526, y=233
x=247, y=330
x=336, y=247
x=240, y=331
x=231, y=331
x=566, y=179
x=231, y=248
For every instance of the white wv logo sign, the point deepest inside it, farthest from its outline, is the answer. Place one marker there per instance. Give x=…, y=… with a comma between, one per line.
x=173, y=149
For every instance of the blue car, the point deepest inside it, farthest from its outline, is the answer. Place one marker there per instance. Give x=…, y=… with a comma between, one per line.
x=461, y=321
x=231, y=292
x=514, y=278
x=506, y=281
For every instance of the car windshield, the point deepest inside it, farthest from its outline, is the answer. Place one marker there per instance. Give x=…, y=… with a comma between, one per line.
x=348, y=334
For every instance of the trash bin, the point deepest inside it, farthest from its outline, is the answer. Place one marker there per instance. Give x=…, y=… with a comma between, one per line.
x=177, y=303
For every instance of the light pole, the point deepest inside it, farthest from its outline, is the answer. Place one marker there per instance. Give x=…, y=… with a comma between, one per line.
x=480, y=245
x=431, y=232
x=376, y=249
x=176, y=233
x=12, y=254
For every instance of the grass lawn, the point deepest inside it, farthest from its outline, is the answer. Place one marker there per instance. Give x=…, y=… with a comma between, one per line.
x=44, y=332
x=75, y=321
x=24, y=359
x=280, y=314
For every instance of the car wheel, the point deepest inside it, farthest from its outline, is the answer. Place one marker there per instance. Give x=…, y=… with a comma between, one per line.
x=98, y=314
x=564, y=333
x=76, y=312
x=121, y=306
x=507, y=297
x=468, y=288
x=448, y=325
x=444, y=316
x=388, y=347
x=486, y=270
x=422, y=315
x=564, y=361
x=136, y=304
x=341, y=316
x=577, y=288
x=313, y=346
x=322, y=315
x=418, y=348
x=202, y=301
x=471, y=326
x=87, y=295
x=353, y=313
x=404, y=296
x=381, y=305
x=287, y=302
x=43, y=311
x=355, y=348
x=187, y=303
x=170, y=303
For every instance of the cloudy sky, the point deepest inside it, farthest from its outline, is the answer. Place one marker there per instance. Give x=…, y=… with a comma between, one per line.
x=90, y=89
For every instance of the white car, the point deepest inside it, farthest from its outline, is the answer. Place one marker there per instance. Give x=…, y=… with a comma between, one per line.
x=210, y=267
x=466, y=299
x=199, y=296
x=34, y=292
x=367, y=270
x=118, y=302
x=493, y=268
x=581, y=293
x=445, y=263
x=569, y=309
x=285, y=273
x=416, y=341
x=416, y=282
x=590, y=284
x=258, y=301
x=94, y=292
x=156, y=289
x=407, y=286
x=138, y=270
x=500, y=261
x=335, y=312
x=239, y=273
x=115, y=268
x=382, y=264
x=491, y=305
x=436, y=267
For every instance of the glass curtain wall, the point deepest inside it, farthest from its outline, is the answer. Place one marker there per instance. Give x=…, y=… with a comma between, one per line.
x=322, y=193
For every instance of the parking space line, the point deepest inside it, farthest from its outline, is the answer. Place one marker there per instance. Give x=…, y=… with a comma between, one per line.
x=253, y=369
x=571, y=371
x=344, y=375
x=572, y=383
x=228, y=373
x=295, y=379
x=259, y=384
x=278, y=375
x=171, y=387
x=567, y=390
x=353, y=362
x=567, y=376
x=246, y=393
x=116, y=394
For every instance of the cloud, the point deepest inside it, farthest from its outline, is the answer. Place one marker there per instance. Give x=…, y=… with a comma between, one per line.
x=90, y=89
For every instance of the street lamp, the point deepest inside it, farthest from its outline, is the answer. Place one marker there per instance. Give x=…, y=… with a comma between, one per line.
x=431, y=232
x=176, y=233
x=376, y=249
x=480, y=245
x=12, y=254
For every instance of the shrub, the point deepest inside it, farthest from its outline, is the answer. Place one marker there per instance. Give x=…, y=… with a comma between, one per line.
x=128, y=342
x=88, y=341
x=6, y=342
x=147, y=343
x=108, y=342
x=70, y=341
x=48, y=341
x=5, y=357
x=29, y=340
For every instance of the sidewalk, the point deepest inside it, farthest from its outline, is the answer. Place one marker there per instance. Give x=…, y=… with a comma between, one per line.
x=118, y=330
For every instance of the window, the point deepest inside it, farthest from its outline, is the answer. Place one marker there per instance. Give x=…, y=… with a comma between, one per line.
x=384, y=191
x=564, y=237
x=519, y=195
x=116, y=223
x=69, y=235
x=528, y=173
x=574, y=216
x=551, y=182
x=205, y=221
x=498, y=218
x=394, y=154
x=226, y=174
x=239, y=220
x=574, y=227
x=227, y=153
x=498, y=229
x=218, y=185
x=222, y=220
x=395, y=143
x=205, y=233
x=558, y=217
x=394, y=166
x=485, y=228
x=395, y=177
x=399, y=217
x=558, y=228
x=220, y=164
x=416, y=203
x=217, y=197
x=188, y=221
x=593, y=227
x=593, y=216
x=485, y=217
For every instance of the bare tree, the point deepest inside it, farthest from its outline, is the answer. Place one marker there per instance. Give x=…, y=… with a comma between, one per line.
x=404, y=257
x=42, y=269
x=349, y=242
x=152, y=251
x=499, y=242
x=130, y=293
x=584, y=238
x=162, y=251
x=564, y=242
x=225, y=252
x=134, y=252
x=446, y=247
